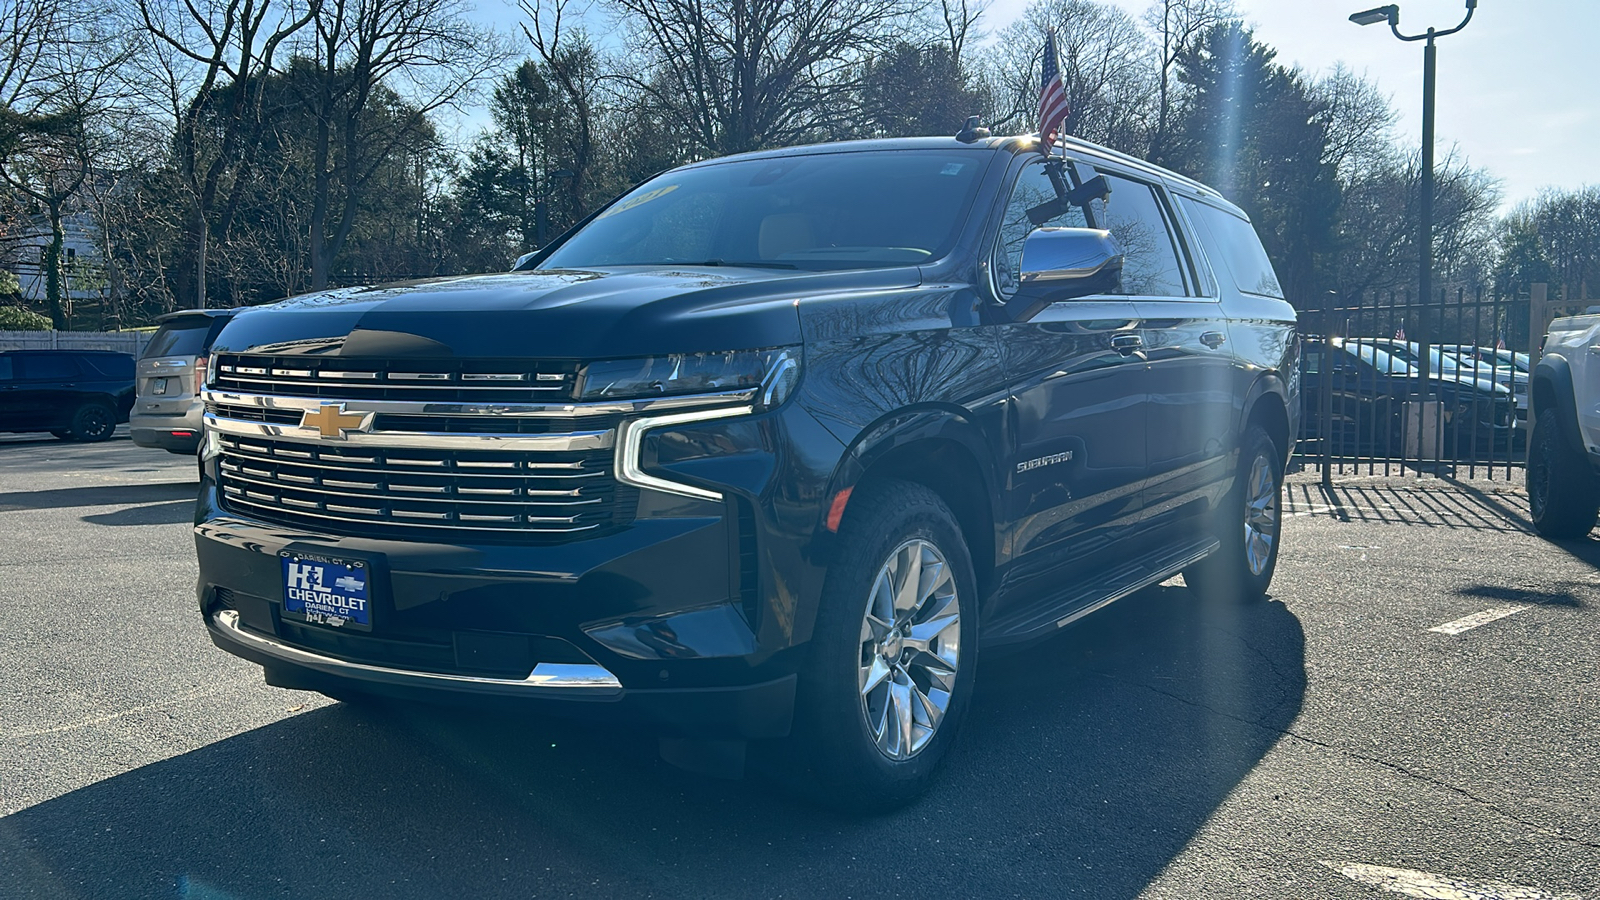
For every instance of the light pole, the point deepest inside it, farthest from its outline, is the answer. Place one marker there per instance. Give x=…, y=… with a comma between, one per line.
x=1430, y=61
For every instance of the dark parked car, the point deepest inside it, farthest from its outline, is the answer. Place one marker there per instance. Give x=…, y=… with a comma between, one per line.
x=769, y=449
x=79, y=395
x=1370, y=384
x=168, y=411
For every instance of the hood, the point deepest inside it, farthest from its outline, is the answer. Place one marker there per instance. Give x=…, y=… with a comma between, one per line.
x=579, y=314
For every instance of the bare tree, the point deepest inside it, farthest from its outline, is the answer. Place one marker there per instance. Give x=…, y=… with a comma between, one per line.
x=1176, y=25
x=56, y=64
x=1360, y=121
x=229, y=47
x=961, y=18
x=1106, y=66
x=745, y=74
x=569, y=61
x=424, y=52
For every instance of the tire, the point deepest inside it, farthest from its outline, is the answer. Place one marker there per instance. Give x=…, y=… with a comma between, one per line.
x=93, y=422
x=848, y=742
x=1563, y=494
x=1247, y=526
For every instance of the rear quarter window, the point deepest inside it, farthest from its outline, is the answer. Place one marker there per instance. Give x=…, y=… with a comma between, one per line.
x=1232, y=244
x=111, y=365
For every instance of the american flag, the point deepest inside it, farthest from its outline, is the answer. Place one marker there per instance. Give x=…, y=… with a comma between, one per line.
x=1053, y=107
x=1500, y=342
x=1400, y=333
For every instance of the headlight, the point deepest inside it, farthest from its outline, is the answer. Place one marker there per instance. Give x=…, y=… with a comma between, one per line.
x=775, y=372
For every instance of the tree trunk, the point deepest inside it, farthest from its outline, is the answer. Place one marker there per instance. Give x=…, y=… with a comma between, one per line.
x=52, y=269
x=321, y=188
x=202, y=233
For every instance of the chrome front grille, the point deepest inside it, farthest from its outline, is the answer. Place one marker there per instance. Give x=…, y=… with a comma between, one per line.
x=427, y=380
x=405, y=492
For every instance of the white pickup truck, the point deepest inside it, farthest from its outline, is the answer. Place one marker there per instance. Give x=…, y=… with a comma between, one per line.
x=1564, y=456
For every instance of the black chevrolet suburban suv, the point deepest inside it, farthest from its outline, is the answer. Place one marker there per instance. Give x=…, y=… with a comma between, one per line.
x=76, y=395
x=762, y=454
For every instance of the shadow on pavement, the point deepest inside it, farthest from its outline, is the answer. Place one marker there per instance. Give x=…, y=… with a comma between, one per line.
x=174, y=513
x=100, y=495
x=1563, y=597
x=1088, y=763
x=1439, y=504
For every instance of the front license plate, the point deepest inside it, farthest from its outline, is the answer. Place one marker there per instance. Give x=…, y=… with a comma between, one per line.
x=158, y=386
x=325, y=590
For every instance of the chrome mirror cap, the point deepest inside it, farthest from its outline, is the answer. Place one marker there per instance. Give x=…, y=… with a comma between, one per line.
x=1064, y=257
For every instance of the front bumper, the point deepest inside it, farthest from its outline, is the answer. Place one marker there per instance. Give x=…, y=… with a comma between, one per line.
x=750, y=711
x=691, y=619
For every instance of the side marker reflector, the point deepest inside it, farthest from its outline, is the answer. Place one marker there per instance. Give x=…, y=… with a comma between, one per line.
x=836, y=509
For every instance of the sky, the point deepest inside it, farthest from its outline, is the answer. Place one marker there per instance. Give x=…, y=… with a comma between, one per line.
x=1518, y=90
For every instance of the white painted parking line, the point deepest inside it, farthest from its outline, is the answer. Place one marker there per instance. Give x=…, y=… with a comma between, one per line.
x=1467, y=623
x=1439, y=887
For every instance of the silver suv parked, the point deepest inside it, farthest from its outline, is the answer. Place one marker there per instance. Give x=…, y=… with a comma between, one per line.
x=168, y=412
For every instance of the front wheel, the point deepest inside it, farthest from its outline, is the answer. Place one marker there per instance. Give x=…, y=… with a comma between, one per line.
x=893, y=653
x=1246, y=525
x=1563, y=492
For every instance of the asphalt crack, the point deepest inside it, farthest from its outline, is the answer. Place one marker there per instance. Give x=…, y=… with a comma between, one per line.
x=1397, y=768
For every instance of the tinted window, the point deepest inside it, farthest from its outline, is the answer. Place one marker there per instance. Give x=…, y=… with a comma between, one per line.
x=186, y=337
x=5, y=368
x=1231, y=242
x=1033, y=189
x=111, y=365
x=1150, y=261
x=824, y=211
x=49, y=368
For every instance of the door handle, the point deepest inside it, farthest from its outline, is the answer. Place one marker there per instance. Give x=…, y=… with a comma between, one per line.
x=1213, y=339
x=1126, y=344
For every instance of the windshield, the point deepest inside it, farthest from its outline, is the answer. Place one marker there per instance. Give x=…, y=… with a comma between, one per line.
x=817, y=212
x=1378, y=359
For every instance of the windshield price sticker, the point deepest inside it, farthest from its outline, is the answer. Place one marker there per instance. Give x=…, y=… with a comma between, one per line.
x=327, y=591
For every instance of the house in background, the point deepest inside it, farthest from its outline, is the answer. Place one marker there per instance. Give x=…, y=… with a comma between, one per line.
x=82, y=262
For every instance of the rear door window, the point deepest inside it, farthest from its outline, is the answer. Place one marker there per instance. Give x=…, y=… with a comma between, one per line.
x=186, y=337
x=5, y=368
x=111, y=365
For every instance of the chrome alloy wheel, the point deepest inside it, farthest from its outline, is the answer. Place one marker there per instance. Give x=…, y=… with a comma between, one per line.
x=910, y=648
x=1260, y=515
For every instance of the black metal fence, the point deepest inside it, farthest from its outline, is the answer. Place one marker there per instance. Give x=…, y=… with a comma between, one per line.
x=1394, y=385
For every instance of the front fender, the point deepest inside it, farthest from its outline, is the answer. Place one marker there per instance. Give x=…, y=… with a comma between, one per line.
x=901, y=429
x=1552, y=387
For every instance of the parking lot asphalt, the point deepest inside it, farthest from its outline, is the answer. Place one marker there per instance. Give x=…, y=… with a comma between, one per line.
x=1415, y=711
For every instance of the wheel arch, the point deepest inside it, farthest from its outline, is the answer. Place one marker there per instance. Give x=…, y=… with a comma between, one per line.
x=1552, y=389
x=1267, y=404
x=940, y=448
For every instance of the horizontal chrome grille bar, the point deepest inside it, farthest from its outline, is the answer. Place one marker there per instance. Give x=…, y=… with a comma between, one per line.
x=535, y=469
x=580, y=440
x=369, y=380
x=250, y=477
x=266, y=505
x=422, y=408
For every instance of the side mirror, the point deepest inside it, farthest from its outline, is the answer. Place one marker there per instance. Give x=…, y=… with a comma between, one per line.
x=1063, y=264
x=522, y=259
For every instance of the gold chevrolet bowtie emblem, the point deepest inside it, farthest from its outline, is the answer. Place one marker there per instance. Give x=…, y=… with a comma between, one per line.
x=331, y=421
